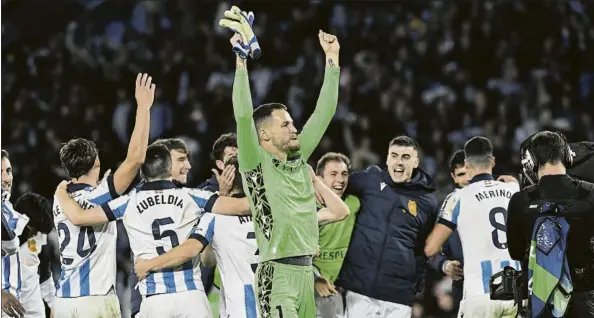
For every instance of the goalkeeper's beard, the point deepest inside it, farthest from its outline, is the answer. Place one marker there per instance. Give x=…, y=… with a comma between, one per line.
x=286, y=146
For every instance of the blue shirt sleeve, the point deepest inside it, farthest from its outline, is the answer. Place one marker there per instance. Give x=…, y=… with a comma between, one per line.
x=203, y=198
x=104, y=192
x=115, y=209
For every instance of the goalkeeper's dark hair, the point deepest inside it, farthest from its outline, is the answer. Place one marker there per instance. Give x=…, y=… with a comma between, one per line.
x=78, y=157
x=457, y=160
x=224, y=141
x=38, y=209
x=173, y=144
x=263, y=112
x=157, y=165
x=479, y=152
x=331, y=156
x=5, y=154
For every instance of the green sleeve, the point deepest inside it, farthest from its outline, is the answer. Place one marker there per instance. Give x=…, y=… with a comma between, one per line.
x=353, y=203
x=317, y=124
x=247, y=137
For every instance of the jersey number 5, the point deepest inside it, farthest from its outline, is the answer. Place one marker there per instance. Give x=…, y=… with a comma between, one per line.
x=158, y=235
x=498, y=226
x=252, y=235
x=80, y=247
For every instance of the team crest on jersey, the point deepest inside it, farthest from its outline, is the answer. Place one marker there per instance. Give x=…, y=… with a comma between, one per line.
x=412, y=207
x=32, y=245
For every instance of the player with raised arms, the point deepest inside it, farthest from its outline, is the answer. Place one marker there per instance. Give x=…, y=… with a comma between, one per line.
x=273, y=163
x=158, y=216
x=86, y=287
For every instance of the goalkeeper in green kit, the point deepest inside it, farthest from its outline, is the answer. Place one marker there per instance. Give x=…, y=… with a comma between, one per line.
x=276, y=178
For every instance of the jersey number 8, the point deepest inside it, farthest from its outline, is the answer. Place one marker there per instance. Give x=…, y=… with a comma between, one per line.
x=498, y=226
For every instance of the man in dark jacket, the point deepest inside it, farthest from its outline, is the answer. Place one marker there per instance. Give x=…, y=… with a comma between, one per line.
x=385, y=265
x=450, y=260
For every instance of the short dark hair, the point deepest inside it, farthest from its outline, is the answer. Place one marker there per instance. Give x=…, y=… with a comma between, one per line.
x=38, y=209
x=405, y=141
x=548, y=147
x=5, y=154
x=78, y=157
x=264, y=111
x=173, y=144
x=457, y=160
x=331, y=156
x=478, y=151
x=224, y=141
x=157, y=164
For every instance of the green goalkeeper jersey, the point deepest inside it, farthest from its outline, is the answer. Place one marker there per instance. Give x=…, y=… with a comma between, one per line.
x=281, y=193
x=334, y=241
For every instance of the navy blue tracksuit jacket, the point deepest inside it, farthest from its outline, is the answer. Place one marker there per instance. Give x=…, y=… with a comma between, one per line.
x=385, y=259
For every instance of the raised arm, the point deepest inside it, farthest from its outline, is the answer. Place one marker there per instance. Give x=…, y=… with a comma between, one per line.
x=318, y=122
x=145, y=93
x=247, y=136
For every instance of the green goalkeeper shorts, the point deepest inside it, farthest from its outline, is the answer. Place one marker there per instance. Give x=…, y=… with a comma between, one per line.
x=285, y=291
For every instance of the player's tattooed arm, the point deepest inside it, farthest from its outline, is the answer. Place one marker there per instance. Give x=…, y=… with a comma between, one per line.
x=127, y=171
x=77, y=215
x=318, y=122
x=174, y=258
x=335, y=209
x=331, y=47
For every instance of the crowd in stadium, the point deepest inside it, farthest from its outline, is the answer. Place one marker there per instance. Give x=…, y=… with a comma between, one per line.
x=439, y=72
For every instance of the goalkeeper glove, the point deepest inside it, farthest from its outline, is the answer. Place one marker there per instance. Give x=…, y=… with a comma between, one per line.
x=243, y=50
x=241, y=23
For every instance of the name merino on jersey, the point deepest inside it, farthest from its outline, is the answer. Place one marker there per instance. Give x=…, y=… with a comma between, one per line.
x=233, y=241
x=87, y=253
x=158, y=217
x=479, y=213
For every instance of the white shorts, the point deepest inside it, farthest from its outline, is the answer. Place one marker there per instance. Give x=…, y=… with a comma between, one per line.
x=32, y=301
x=482, y=306
x=359, y=306
x=330, y=307
x=105, y=306
x=192, y=303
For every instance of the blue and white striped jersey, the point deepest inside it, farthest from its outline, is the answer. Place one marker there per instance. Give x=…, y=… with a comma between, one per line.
x=233, y=241
x=87, y=253
x=158, y=216
x=479, y=213
x=11, y=264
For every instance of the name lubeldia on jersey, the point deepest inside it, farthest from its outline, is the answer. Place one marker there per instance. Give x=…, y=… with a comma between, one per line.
x=159, y=199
